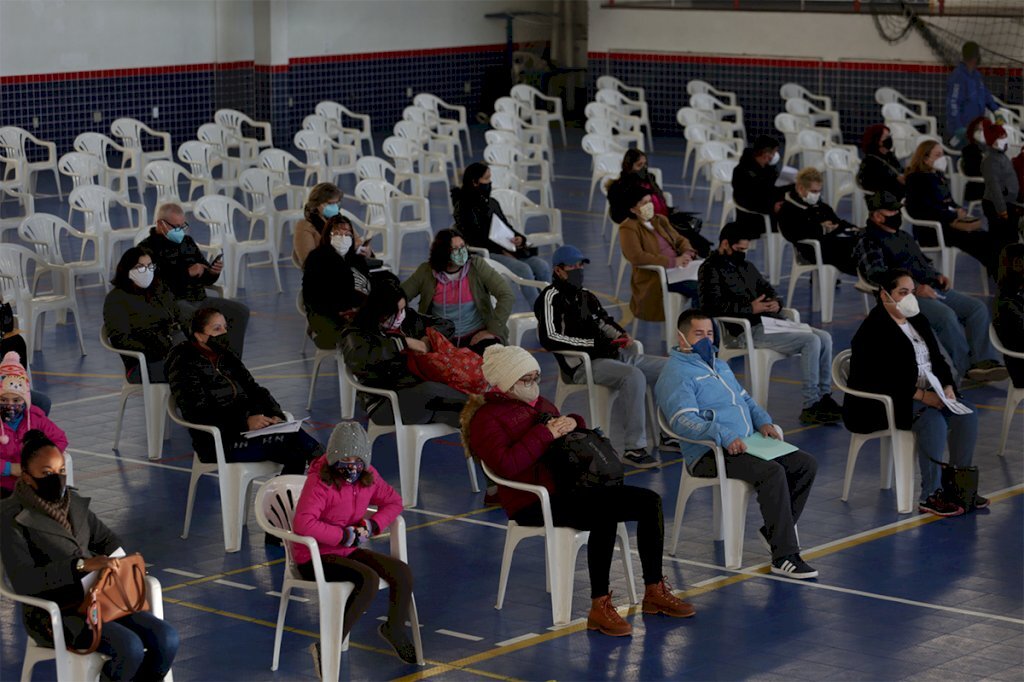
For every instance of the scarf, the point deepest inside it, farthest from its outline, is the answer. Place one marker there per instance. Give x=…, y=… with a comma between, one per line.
x=58, y=511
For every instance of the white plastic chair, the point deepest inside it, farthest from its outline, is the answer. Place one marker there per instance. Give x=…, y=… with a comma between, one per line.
x=376, y=168
x=275, y=511
x=154, y=400
x=628, y=107
x=238, y=123
x=607, y=82
x=519, y=209
x=130, y=132
x=101, y=146
x=527, y=133
x=45, y=233
x=886, y=95
x=894, y=112
x=440, y=107
x=721, y=190
x=615, y=130
x=561, y=547
x=261, y=187
x=282, y=164
x=420, y=166
x=330, y=159
x=825, y=276
x=444, y=137
x=94, y=203
x=82, y=168
x=544, y=109
x=409, y=442
x=224, y=140
x=384, y=206
x=759, y=360
x=520, y=164
x=518, y=323
x=813, y=117
x=708, y=154
x=731, y=497
x=346, y=393
x=166, y=177
x=895, y=444
x=1014, y=395
x=774, y=244
x=695, y=87
x=728, y=117
x=234, y=480
x=20, y=270
x=672, y=303
x=811, y=146
x=337, y=113
x=12, y=185
x=218, y=212
x=202, y=158
x=14, y=143
x=841, y=168
x=791, y=90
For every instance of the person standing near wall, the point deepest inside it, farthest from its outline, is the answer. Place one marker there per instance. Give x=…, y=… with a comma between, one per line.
x=966, y=95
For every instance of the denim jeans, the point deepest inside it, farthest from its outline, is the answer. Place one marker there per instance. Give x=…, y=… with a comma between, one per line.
x=933, y=429
x=815, y=351
x=140, y=646
x=951, y=318
x=533, y=267
x=630, y=376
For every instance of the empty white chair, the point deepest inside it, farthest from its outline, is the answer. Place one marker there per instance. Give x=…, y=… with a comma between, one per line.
x=154, y=400
x=790, y=126
x=695, y=87
x=261, y=188
x=82, y=168
x=528, y=134
x=519, y=209
x=444, y=137
x=812, y=145
x=239, y=124
x=1014, y=395
x=14, y=143
x=561, y=547
x=826, y=122
x=507, y=156
x=275, y=511
x=607, y=127
x=885, y=96
x=203, y=158
x=420, y=166
x=218, y=212
x=841, y=168
x=282, y=164
x=721, y=190
x=376, y=168
x=166, y=177
x=224, y=140
x=824, y=275
x=544, y=109
x=440, y=107
x=607, y=82
x=130, y=132
x=628, y=107
x=708, y=154
x=45, y=233
x=330, y=159
x=894, y=112
x=338, y=113
x=728, y=117
x=101, y=146
x=384, y=207
x=12, y=186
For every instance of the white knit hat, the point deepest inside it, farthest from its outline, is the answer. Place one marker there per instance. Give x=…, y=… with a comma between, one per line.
x=505, y=365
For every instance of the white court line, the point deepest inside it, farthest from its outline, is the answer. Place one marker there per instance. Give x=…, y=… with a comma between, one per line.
x=476, y=522
x=516, y=640
x=459, y=635
x=302, y=600
x=85, y=400
x=128, y=460
x=280, y=364
x=185, y=574
x=240, y=586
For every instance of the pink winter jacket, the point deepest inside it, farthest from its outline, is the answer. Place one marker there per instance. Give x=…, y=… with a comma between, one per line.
x=324, y=511
x=11, y=450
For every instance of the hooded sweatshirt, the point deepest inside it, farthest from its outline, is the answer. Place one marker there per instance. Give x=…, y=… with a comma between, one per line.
x=10, y=451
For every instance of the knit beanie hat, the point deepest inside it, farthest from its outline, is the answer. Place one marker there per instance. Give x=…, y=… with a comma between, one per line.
x=348, y=440
x=505, y=365
x=992, y=133
x=14, y=379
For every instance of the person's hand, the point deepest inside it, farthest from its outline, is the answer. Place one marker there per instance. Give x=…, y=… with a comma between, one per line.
x=902, y=179
x=769, y=431
x=518, y=241
x=931, y=399
x=415, y=345
x=275, y=420
x=944, y=282
x=777, y=207
x=98, y=563
x=217, y=266
x=560, y=426
x=828, y=226
x=961, y=213
x=482, y=335
x=257, y=421
x=949, y=392
x=684, y=260
x=925, y=291
x=763, y=304
x=197, y=270
x=622, y=341
x=736, y=447
x=1003, y=214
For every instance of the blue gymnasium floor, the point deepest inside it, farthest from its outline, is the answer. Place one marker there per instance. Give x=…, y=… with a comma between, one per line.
x=900, y=597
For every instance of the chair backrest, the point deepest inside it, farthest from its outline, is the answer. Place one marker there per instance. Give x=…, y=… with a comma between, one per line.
x=839, y=159
x=43, y=231
x=607, y=164
x=722, y=171
x=12, y=140
x=94, y=202
x=165, y=176
x=232, y=119
x=83, y=168
x=787, y=123
x=841, y=369
x=96, y=144
x=374, y=168
x=598, y=110
x=313, y=143
x=275, y=506
x=201, y=158
x=511, y=203
x=688, y=116
x=375, y=194
x=792, y=91
x=217, y=212
x=16, y=266
x=599, y=144
x=607, y=82
x=217, y=135
x=259, y=184
x=714, y=151
x=280, y=162
x=501, y=155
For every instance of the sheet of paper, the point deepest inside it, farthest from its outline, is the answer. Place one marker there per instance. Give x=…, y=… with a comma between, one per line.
x=955, y=406
x=90, y=578
x=767, y=448
x=282, y=427
x=684, y=273
x=501, y=233
x=775, y=326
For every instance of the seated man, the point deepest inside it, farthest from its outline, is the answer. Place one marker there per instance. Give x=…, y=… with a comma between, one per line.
x=702, y=400
x=185, y=271
x=805, y=216
x=886, y=247
x=569, y=317
x=753, y=184
x=732, y=286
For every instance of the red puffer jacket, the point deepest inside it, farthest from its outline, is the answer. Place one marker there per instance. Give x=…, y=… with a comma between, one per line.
x=508, y=436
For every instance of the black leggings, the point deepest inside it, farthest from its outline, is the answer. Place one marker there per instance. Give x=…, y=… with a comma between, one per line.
x=600, y=510
x=365, y=569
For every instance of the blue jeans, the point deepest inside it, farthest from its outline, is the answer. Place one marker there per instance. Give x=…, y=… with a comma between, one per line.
x=933, y=429
x=815, y=351
x=950, y=319
x=140, y=646
x=533, y=267
x=630, y=376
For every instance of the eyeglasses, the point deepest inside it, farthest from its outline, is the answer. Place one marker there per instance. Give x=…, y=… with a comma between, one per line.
x=143, y=268
x=183, y=226
x=530, y=380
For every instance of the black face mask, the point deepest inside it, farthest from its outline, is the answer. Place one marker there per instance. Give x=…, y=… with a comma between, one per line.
x=643, y=173
x=51, y=487
x=575, y=277
x=485, y=189
x=738, y=256
x=219, y=342
x=894, y=222
x=886, y=144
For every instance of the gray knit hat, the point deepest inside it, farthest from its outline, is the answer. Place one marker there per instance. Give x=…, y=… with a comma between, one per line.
x=348, y=440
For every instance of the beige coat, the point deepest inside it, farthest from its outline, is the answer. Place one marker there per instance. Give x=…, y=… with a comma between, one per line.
x=640, y=247
x=306, y=239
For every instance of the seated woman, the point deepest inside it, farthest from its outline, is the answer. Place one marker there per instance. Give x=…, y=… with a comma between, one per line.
x=323, y=203
x=50, y=540
x=375, y=346
x=335, y=281
x=805, y=216
x=510, y=429
x=880, y=170
x=212, y=386
x=1009, y=316
x=1003, y=210
x=340, y=486
x=648, y=239
x=18, y=416
x=929, y=198
x=911, y=355
x=457, y=287
x=141, y=314
x=475, y=211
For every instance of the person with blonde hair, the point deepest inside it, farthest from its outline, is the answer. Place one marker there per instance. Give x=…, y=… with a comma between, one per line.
x=322, y=204
x=805, y=216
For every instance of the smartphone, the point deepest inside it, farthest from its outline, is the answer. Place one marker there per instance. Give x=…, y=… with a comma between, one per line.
x=220, y=257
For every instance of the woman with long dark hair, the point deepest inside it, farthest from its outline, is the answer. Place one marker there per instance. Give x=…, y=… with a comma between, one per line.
x=880, y=170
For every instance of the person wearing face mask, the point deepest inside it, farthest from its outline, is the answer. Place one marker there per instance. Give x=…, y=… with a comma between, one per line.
x=322, y=204
x=50, y=540
x=375, y=347
x=461, y=289
x=18, y=416
x=701, y=399
x=333, y=508
x=212, y=386
x=140, y=314
x=510, y=428
x=971, y=155
x=805, y=216
x=960, y=322
x=880, y=170
x=1002, y=209
x=754, y=183
x=186, y=273
x=569, y=317
x=731, y=285
x=929, y=198
x=967, y=97
x=475, y=213
x=893, y=353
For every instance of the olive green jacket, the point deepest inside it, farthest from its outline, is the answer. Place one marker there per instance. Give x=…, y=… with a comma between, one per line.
x=485, y=283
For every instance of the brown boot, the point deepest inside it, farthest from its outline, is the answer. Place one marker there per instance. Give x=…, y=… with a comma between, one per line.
x=658, y=598
x=606, y=619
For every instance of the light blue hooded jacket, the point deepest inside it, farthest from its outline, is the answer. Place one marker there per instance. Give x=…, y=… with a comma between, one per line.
x=705, y=404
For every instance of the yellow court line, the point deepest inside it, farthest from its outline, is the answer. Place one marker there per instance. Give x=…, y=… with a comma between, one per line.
x=491, y=654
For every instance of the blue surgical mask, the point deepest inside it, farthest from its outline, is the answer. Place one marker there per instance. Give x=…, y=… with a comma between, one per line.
x=331, y=210
x=703, y=348
x=176, y=235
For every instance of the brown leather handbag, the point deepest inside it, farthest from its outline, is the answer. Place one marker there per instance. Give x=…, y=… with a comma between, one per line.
x=115, y=594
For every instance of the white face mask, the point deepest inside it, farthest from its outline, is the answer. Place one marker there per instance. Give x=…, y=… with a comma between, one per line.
x=341, y=243
x=141, y=279
x=979, y=136
x=646, y=211
x=940, y=164
x=1002, y=143
x=776, y=157
x=812, y=198
x=528, y=394
x=907, y=306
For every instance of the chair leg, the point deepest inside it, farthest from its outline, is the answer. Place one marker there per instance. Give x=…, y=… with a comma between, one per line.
x=903, y=463
x=734, y=522
x=408, y=464
x=233, y=489
x=856, y=443
x=1008, y=410
x=563, y=569
x=417, y=636
x=332, y=626
x=473, y=485
x=511, y=540
x=346, y=391
x=155, y=405
x=627, y=563
x=312, y=379
x=677, y=521
x=196, y=474
x=282, y=611
x=125, y=392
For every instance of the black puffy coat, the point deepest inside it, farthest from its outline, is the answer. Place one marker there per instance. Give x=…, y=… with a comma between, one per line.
x=146, y=320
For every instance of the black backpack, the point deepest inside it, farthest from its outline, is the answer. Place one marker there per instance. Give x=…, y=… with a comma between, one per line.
x=583, y=459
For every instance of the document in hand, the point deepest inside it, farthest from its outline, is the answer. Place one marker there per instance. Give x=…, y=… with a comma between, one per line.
x=954, y=405
x=280, y=427
x=501, y=233
x=775, y=326
x=767, y=448
x=685, y=273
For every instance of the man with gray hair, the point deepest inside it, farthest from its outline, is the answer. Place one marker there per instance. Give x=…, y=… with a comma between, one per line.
x=187, y=273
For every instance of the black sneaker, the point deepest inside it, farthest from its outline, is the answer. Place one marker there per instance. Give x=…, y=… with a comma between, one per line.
x=815, y=415
x=939, y=506
x=668, y=443
x=640, y=459
x=987, y=370
x=980, y=502
x=314, y=651
x=827, y=404
x=793, y=566
x=399, y=642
